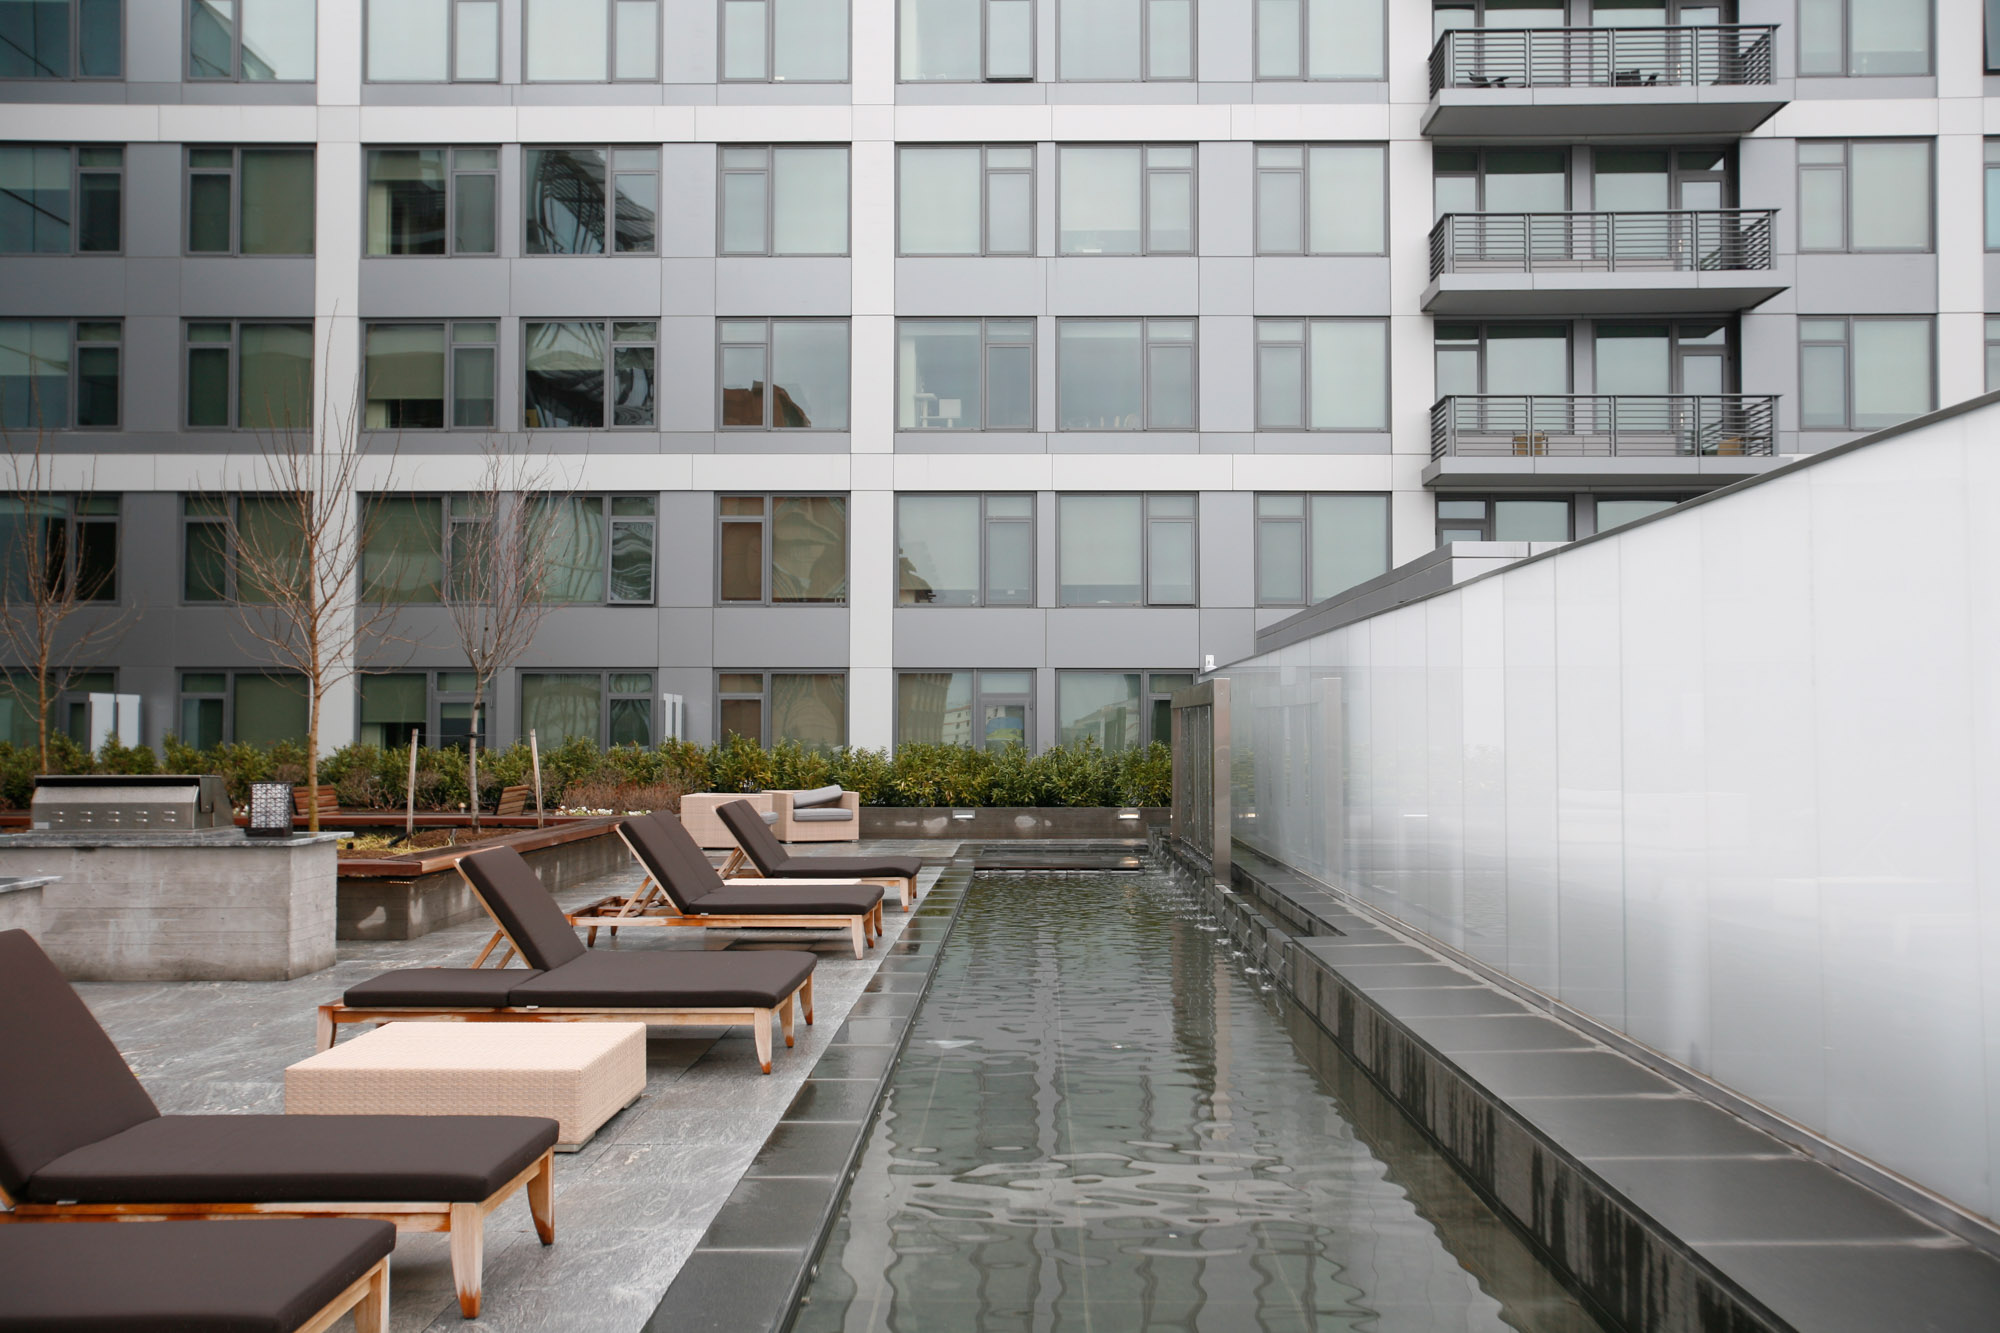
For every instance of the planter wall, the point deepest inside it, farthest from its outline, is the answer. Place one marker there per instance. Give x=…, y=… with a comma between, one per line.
x=380, y=901
x=1010, y=821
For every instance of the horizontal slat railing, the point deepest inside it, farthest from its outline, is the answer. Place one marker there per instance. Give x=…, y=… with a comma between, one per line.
x=1733, y=239
x=1602, y=425
x=1690, y=57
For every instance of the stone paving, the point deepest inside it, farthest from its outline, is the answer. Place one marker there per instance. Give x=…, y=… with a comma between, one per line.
x=629, y=1207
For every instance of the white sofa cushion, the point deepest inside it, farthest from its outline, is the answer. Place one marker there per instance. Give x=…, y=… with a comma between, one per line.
x=817, y=796
x=821, y=814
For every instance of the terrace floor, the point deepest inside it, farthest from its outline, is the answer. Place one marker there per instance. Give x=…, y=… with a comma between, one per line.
x=629, y=1207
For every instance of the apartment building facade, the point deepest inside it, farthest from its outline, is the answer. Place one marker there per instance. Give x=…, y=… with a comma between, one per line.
x=944, y=369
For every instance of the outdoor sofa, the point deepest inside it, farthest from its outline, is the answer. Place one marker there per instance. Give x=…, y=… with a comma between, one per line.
x=566, y=983
x=262, y=1276
x=80, y=1140
x=821, y=814
x=772, y=861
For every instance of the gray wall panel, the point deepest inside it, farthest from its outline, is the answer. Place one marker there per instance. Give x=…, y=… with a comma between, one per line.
x=781, y=636
x=687, y=287
x=1294, y=286
x=783, y=286
x=1141, y=286
x=686, y=226
x=957, y=638
x=412, y=288
x=1222, y=179
x=690, y=56
x=1867, y=284
x=1226, y=286
x=688, y=345
x=1122, y=637
x=1227, y=547
x=247, y=288
x=684, y=550
x=687, y=637
x=972, y=286
x=65, y=286
x=153, y=216
x=597, y=636
x=153, y=287
x=586, y=286
x=1227, y=634
x=1228, y=374
x=152, y=373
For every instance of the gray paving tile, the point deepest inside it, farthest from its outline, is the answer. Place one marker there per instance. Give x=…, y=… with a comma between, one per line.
x=728, y=1291
x=773, y=1212
x=1706, y=1200
x=1561, y=1074
x=1452, y=1035
x=1453, y=1000
x=1949, y=1288
x=833, y=1099
x=1594, y=1127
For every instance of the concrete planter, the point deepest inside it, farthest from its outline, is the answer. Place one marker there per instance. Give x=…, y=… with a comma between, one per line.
x=404, y=897
x=1009, y=821
x=21, y=904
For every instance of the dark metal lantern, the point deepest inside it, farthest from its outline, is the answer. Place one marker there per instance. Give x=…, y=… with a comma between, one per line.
x=271, y=810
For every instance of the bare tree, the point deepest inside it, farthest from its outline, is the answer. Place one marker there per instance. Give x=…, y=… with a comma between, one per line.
x=57, y=589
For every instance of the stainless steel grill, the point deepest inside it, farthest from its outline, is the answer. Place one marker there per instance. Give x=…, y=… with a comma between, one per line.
x=130, y=804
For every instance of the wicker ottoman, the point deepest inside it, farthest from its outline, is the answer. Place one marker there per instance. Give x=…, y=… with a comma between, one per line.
x=579, y=1074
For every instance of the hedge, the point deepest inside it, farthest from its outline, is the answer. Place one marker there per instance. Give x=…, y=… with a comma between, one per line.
x=914, y=775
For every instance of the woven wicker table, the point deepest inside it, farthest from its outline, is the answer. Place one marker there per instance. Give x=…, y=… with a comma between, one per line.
x=578, y=1074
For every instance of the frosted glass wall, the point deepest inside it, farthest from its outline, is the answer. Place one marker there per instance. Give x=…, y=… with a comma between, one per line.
x=1728, y=781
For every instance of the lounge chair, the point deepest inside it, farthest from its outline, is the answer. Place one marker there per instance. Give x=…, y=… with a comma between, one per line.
x=682, y=889
x=774, y=862
x=80, y=1141
x=565, y=983
x=246, y=1277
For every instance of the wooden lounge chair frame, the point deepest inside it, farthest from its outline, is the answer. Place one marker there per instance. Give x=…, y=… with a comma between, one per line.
x=368, y=1298
x=738, y=865
x=465, y=1223
x=759, y=1021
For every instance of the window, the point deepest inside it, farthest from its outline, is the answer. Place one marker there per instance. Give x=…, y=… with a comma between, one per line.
x=597, y=549
x=1865, y=194
x=433, y=41
x=1322, y=374
x=965, y=550
x=1118, y=710
x=414, y=370
x=1993, y=191
x=1327, y=199
x=784, y=201
x=1126, y=550
x=570, y=196
x=592, y=41
x=772, y=707
x=242, y=708
x=249, y=376
x=1119, y=41
x=1126, y=201
x=990, y=710
x=601, y=549
x=570, y=366
x=1125, y=374
x=1992, y=354
x=965, y=41
x=69, y=542
x=1510, y=520
x=1992, y=36
x=781, y=549
x=1502, y=359
x=1864, y=37
x=1312, y=547
x=1448, y=15
x=56, y=374
x=252, y=41
x=784, y=41
x=432, y=707
x=966, y=201
x=62, y=39
x=784, y=374
x=1320, y=39
x=1500, y=180
x=603, y=707
x=1864, y=372
x=70, y=707
x=60, y=200
x=965, y=374
x=250, y=201
x=1617, y=513
x=418, y=206
x=212, y=526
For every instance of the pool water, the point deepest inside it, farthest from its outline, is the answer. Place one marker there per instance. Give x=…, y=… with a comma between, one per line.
x=1101, y=1123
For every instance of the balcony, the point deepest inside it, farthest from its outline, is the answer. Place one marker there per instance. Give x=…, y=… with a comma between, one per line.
x=1592, y=82
x=1601, y=263
x=1684, y=441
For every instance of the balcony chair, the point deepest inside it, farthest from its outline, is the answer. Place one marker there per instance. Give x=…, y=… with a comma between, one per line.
x=756, y=842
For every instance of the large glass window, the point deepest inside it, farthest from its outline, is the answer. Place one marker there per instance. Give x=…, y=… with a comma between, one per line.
x=57, y=200
x=1508, y=520
x=1616, y=513
x=58, y=374
x=784, y=201
x=784, y=374
x=772, y=707
x=430, y=376
x=965, y=550
x=433, y=41
x=249, y=376
x=966, y=40
x=784, y=41
x=69, y=543
x=1502, y=359
x=576, y=206
x=395, y=707
x=966, y=201
x=1126, y=550
x=1864, y=37
x=603, y=707
x=252, y=41
x=433, y=201
x=965, y=374
x=213, y=528
x=250, y=201
x=1312, y=547
x=781, y=549
x=242, y=707
x=1327, y=199
x=989, y=710
x=598, y=549
x=1865, y=372
x=1321, y=39
x=592, y=41
x=1992, y=354
x=586, y=374
x=62, y=39
x=1126, y=374
x=1126, y=200
x=1500, y=180
x=1322, y=374
x=1120, y=41
x=1865, y=194
x=1117, y=710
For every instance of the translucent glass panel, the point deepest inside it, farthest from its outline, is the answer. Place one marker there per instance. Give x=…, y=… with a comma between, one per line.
x=1100, y=707
x=1126, y=201
x=38, y=41
x=1864, y=373
x=561, y=707
x=1125, y=374
x=34, y=200
x=796, y=41
x=570, y=366
x=965, y=374
x=1322, y=375
x=1865, y=195
x=402, y=549
x=784, y=374
x=966, y=201
x=1320, y=39
x=1323, y=200
x=784, y=201
x=965, y=550
x=966, y=40
x=270, y=709
x=252, y=41
x=592, y=41
x=575, y=206
x=1862, y=37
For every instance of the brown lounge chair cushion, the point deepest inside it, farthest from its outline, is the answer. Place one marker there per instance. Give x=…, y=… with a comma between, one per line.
x=178, y=1277
x=682, y=869
x=298, y=1159
x=781, y=899
x=438, y=988
x=513, y=892
x=671, y=979
x=774, y=862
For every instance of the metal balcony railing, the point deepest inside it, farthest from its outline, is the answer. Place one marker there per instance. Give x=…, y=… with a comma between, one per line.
x=1602, y=425
x=1603, y=57
x=1684, y=241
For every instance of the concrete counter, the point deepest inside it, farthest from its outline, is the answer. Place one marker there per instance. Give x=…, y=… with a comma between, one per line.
x=21, y=903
